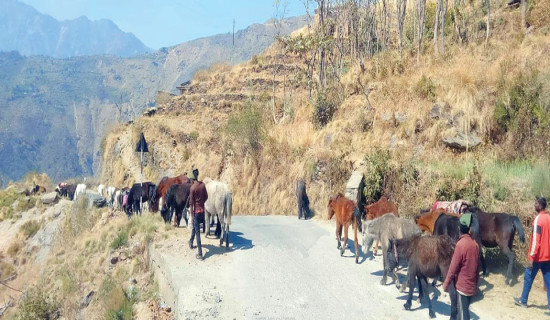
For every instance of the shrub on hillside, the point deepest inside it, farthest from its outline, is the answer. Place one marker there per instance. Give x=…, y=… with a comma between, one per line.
x=425, y=87
x=120, y=240
x=468, y=189
x=245, y=130
x=378, y=167
x=324, y=109
x=118, y=304
x=37, y=305
x=523, y=111
x=30, y=228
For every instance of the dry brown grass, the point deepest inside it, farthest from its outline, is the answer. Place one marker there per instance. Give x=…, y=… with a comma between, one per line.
x=464, y=82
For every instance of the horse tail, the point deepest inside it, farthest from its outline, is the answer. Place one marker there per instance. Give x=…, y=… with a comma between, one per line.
x=519, y=228
x=357, y=217
x=228, y=207
x=475, y=228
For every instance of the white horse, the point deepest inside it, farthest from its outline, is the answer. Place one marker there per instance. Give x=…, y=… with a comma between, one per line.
x=80, y=189
x=219, y=203
x=110, y=195
x=101, y=190
x=117, y=200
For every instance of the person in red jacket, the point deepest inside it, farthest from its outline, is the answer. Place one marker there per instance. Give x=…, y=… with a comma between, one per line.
x=464, y=267
x=539, y=254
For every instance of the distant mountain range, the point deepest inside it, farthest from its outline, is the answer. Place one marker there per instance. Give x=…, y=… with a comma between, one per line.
x=55, y=112
x=30, y=32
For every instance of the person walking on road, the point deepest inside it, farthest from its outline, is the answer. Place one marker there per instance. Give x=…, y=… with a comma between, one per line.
x=464, y=268
x=539, y=254
x=197, y=198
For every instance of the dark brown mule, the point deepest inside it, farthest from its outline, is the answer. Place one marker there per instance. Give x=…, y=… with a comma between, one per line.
x=378, y=209
x=428, y=257
x=162, y=188
x=498, y=230
x=346, y=213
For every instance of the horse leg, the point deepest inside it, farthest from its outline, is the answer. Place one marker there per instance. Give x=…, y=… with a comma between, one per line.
x=420, y=290
x=355, y=239
x=218, y=231
x=411, y=278
x=424, y=282
x=376, y=244
x=345, y=246
x=338, y=234
x=511, y=256
x=206, y=223
x=385, y=263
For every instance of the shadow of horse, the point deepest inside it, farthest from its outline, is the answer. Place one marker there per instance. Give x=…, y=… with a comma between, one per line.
x=498, y=262
x=236, y=242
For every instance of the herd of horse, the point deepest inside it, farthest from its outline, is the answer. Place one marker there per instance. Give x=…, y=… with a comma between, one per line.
x=170, y=196
x=426, y=243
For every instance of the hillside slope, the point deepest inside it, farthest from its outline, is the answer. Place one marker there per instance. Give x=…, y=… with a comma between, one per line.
x=228, y=126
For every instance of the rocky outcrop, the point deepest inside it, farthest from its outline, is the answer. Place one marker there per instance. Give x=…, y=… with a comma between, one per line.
x=462, y=142
x=49, y=198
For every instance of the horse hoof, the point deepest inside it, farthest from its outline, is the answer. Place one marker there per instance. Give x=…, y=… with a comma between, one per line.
x=432, y=314
x=407, y=306
x=383, y=282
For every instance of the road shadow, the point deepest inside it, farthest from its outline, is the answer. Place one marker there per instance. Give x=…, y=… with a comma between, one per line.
x=350, y=251
x=438, y=307
x=236, y=242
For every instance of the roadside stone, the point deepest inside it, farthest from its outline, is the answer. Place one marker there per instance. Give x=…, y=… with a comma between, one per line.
x=49, y=198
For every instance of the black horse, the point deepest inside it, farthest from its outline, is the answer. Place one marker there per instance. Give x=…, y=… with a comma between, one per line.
x=177, y=200
x=137, y=196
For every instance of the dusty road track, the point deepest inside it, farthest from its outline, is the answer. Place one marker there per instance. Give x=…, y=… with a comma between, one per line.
x=279, y=268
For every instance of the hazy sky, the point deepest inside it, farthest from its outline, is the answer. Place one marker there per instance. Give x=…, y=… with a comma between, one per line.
x=162, y=23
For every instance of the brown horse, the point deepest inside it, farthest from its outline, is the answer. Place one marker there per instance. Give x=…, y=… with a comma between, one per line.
x=426, y=221
x=159, y=193
x=346, y=213
x=498, y=230
x=428, y=257
x=378, y=209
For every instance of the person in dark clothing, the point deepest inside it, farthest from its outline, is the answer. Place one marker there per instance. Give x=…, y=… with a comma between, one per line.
x=302, y=199
x=464, y=268
x=539, y=254
x=197, y=198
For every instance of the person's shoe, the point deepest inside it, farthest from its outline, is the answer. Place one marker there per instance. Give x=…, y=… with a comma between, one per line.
x=191, y=244
x=518, y=302
x=199, y=256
